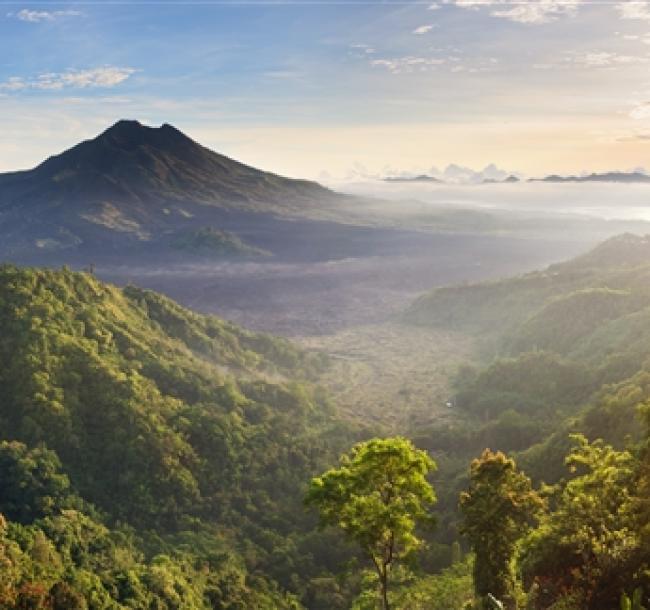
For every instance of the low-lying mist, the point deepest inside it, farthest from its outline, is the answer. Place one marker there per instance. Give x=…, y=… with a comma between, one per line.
x=602, y=200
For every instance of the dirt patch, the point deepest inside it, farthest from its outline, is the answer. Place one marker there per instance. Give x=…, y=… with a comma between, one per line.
x=391, y=374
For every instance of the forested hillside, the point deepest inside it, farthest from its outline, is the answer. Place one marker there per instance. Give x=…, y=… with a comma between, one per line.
x=562, y=383
x=603, y=284
x=152, y=457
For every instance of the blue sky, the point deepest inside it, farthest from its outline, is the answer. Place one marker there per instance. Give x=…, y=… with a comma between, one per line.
x=332, y=89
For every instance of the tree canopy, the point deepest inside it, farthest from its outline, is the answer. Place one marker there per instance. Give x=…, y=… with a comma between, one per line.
x=497, y=509
x=377, y=496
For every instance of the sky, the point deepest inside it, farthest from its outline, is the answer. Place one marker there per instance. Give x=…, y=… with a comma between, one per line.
x=337, y=89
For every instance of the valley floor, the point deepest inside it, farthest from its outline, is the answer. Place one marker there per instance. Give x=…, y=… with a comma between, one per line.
x=392, y=374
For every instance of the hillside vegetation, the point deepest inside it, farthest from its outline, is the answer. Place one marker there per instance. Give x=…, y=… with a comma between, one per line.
x=563, y=380
x=211, y=242
x=620, y=263
x=151, y=457
x=554, y=342
x=154, y=454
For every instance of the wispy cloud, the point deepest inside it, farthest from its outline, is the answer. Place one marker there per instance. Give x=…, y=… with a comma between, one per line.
x=634, y=137
x=104, y=77
x=14, y=83
x=108, y=99
x=424, y=29
x=593, y=60
x=452, y=63
x=32, y=16
x=634, y=9
x=409, y=63
x=640, y=111
x=283, y=74
x=529, y=12
x=362, y=49
x=605, y=59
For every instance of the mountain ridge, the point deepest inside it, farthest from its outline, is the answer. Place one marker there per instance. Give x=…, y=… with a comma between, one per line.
x=623, y=177
x=134, y=183
x=620, y=264
x=130, y=138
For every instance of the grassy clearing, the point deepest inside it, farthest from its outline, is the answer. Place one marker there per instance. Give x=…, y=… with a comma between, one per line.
x=391, y=374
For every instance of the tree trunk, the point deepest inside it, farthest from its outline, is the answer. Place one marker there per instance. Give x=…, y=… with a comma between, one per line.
x=384, y=591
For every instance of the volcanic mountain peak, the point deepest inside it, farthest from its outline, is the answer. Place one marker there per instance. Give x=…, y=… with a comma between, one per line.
x=127, y=127
x=131, y=133
x=130, y=161
x=133, y=129
x=126, y=140
x=139, y=182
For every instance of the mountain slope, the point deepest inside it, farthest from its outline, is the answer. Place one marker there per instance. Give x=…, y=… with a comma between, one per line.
x=133, y=163
x=565, y=350
x=138, y=182
x=77, y=355
x=609, y=281
x=167, y=420
x=561, y=338
x=568, y=373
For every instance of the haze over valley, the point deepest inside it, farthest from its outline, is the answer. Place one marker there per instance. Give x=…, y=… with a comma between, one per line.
x=332, y=269
x=150, y=206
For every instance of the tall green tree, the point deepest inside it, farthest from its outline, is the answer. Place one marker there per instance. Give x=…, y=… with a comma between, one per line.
x=589, y=546
x=377, y=496
x=497, y=510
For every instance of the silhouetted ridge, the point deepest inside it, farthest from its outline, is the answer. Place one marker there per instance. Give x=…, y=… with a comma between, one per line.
x=627, y=250
x=127, y=137
x=157, y=163
x=139, y=182
x=131, y=134
x=624, y=177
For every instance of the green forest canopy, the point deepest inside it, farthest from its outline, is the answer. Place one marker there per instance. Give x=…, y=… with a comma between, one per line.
x=151, y=457
x=187, y=437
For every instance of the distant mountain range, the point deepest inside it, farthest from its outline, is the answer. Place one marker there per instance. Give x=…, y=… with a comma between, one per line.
x=624, y=177
x=425, y=178
x=476, y=179
x=627, y=177
x=509, y=180
x=138, y=183
x=421, y=178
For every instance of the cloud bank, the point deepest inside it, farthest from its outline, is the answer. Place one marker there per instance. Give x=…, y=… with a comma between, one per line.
x=104, y=77
x=529, y=12
x=32, y=16
x=634, y=10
